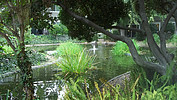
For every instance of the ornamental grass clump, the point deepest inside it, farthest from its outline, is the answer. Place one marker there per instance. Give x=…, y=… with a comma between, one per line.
x=75, y=60
x=68, y=48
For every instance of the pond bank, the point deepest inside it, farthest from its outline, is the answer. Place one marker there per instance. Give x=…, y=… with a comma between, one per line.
x=140, y=43
x=33, y=67
x=57, y=44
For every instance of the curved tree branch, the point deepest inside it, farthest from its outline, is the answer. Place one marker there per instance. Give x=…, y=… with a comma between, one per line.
x=162, y=35
x=8, y=41
x=150, y=39
x=124, y=39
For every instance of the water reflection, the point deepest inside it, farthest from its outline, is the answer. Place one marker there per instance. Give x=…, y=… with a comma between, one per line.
x=49, y=90
x=94, y=45
x=47, y=87
x=109, y=65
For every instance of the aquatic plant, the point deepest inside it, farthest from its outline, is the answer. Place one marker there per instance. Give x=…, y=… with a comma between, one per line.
x=166, y=93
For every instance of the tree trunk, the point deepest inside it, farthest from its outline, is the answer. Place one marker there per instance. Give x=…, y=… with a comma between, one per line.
x=26, y=74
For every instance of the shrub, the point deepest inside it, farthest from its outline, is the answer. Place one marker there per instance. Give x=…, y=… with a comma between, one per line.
x=8, y=63
x=122, y=49
x=2, y=43
x=58, y=29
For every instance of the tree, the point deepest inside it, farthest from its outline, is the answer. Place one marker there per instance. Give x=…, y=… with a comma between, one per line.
x=163, y=7
x=104, y=13
x=16, y=16
x=84, y=11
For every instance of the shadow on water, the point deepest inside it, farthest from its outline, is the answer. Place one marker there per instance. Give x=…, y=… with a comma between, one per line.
x=48, y=87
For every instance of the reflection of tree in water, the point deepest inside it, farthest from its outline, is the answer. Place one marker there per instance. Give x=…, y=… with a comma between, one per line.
x=45, y=85
x=53, y=89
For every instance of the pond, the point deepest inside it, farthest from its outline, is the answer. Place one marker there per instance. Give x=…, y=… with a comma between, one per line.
x=48, y=87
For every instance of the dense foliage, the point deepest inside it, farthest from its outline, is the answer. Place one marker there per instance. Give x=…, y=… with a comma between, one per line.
x=110, y=11
x=44, y=39
x=9, y=62
x=138, y=88
x=40, y=16
x=58, y=29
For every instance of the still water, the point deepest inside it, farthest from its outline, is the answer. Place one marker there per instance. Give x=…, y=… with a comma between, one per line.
x=48, y=87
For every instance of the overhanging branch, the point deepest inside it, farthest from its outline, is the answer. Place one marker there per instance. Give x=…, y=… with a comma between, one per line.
x=91, y=24
x=124, y=39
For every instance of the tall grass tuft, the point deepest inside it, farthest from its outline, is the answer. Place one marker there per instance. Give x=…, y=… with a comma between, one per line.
x=69, y=48
x=75, y=59
x=128, y=92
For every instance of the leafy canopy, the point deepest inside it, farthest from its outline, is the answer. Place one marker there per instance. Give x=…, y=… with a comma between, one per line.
x=102, y=12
